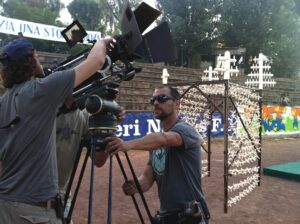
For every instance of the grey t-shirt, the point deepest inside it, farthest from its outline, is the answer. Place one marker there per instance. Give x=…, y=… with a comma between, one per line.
x=27, y=149
x=69, y=129
x=177, y=170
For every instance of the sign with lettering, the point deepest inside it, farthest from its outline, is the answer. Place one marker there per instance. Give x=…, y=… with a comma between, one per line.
x=137, y=125
x=37, y=30
x=275, y=120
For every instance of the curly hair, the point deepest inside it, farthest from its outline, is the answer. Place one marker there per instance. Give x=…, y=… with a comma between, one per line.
x=16, y=72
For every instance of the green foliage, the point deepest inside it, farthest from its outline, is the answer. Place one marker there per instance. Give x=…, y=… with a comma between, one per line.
x=267, y=26
x=284, y=42
x=96, y=15
x=32, y=10
x=111, y=14
x=87, y=12
x=39, y=11
x=193, y=26
x=100, y=15
x=297, y=5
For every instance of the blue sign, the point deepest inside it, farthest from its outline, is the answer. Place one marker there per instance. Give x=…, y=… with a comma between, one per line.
x=137, y=125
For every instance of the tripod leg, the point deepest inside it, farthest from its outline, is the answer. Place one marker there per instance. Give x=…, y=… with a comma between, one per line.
x=109, y=206
x=70, y=183
x=132, y=196
x=136, y=181
x=78, y=185
x=90, y=212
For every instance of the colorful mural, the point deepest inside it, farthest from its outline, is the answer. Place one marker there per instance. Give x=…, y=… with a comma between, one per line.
x=275, y=120
x=280, y=120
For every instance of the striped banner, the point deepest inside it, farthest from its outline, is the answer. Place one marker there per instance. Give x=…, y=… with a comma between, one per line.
x=37, y=30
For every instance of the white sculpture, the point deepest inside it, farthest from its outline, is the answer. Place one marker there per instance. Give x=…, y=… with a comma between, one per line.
x=260, y=75
x=165, y=76
x=210, y=75
x=224, y=65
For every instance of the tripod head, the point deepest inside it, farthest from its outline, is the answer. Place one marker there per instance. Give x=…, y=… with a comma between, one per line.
x=98, y=93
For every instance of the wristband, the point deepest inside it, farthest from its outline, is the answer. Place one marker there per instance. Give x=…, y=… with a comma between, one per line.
x=106, y=65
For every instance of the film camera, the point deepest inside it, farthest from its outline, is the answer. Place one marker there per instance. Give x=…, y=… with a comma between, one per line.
x=98, y=93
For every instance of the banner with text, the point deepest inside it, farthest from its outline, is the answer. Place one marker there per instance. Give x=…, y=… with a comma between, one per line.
x=275, y=120
x=137, y=125
x=37, y=30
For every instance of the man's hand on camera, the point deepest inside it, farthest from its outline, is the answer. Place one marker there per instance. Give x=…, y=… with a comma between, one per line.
x=95, y=60
x=115, y=145
x=129, y=187
x=121, y=115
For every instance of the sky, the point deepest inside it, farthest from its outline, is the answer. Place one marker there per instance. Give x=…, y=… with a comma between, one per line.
x=67, y=19
x=65, y=16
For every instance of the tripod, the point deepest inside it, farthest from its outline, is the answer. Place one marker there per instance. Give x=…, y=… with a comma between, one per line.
x=90, y=141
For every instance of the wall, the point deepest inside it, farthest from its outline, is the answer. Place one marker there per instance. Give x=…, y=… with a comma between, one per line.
x=134, y=95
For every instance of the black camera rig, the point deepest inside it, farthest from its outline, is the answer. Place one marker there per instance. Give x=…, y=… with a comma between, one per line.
x=97, y=94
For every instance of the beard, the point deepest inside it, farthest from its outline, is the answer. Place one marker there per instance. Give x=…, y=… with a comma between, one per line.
x=160, y=114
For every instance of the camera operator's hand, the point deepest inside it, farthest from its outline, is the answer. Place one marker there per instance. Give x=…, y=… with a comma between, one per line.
x=94, y=62
x=121, y=115
x=129, y=187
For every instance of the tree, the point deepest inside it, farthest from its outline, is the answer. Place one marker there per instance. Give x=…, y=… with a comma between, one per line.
x=284, y=42
x=40, y=11
x=31, y=10
x=112, y=14
x=193, y=25
x=99, y=15
x=297, y=3
x=264, y=26
x=88, y=13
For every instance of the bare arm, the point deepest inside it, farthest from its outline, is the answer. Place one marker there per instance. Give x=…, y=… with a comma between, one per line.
x=94, y=61
x=147, y=143
x=146, y=181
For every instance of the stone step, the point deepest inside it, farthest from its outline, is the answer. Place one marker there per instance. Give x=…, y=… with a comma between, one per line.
x=135, y=94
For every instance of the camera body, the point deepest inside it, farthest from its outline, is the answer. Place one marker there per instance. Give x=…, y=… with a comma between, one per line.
x=104, y=111
x=97, y=94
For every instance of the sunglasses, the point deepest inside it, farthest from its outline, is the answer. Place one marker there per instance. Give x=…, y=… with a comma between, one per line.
x=160, y=98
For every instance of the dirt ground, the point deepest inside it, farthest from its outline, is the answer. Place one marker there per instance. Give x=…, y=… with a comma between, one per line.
x=276, y=201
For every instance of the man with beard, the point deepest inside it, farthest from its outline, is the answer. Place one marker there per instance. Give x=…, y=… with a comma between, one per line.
x=174, y=163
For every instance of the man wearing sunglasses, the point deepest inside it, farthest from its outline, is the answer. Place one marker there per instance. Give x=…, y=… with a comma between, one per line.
x=174, y=163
